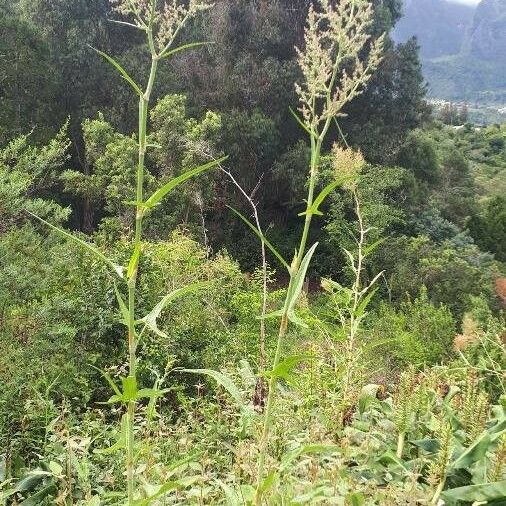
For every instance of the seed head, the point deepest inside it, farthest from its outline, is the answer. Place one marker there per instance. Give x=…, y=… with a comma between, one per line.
x=332, y=71
x=347, y=162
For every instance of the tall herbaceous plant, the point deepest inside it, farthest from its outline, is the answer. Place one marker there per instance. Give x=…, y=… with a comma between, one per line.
x=161, y=21
x=336, y=63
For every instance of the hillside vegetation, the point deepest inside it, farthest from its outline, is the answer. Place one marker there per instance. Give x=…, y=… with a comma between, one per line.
x=243, y=262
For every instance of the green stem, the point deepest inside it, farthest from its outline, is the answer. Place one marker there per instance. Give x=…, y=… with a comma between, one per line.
x=264, y=441
x=437, y=493
x=132, y=281
x=400, y=444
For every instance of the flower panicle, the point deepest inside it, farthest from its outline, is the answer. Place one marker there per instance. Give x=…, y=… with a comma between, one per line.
x=333, y=73
x=165, y=18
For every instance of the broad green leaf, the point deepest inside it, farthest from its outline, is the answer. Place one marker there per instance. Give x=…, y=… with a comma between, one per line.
x=269, y=481
x=121, y=70
x=118, y=270
x=478, y=450
x=475, y=493
x=389, y=458
x=262, y=238
x=233, y=497
x=55, y=468
x=31, y=480
x=36, y=499
x=222, y=380
x=355, y=499
x=150, y=320
x=318, y=201
x=427, y=445
x=289, y=458
x=285, y=368
x=172, y=52
x=164, y=190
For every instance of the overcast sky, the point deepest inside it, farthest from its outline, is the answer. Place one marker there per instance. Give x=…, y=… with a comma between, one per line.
x=468, y=2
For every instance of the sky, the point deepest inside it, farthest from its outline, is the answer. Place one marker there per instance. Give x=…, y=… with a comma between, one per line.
x=467, y=2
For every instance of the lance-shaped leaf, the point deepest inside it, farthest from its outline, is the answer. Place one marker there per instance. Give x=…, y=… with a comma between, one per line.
x=133, y=264
x=262, y=238
x=318, y=201
x=118, y=270
x=172, y=52
x=125, y=315
x=150, y=320
x=164, y=190
x=223, y=380
x=298, y=281
x=162, y=490
x=121, y=70
x=360, y=310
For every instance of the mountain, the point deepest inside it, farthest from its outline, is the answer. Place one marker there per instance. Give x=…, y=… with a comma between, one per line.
x=488, y=34
x=463, y=48
x=440, y=26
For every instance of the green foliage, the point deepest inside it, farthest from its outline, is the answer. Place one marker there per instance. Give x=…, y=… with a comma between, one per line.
x=420, y=333
x=28, y=175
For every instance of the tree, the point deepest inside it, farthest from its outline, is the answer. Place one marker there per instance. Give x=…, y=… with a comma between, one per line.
x=489, y=229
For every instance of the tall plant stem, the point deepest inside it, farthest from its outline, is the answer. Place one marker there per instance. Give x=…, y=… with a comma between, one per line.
x=132, y=280
x=316, y=145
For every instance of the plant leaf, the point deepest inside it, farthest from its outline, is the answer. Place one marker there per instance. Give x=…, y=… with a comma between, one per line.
x=173, y=183
x=367, y=397
x=298, y=281
x=284, y=369
x=164, y=489
x=359, y=312
x=133, y=264
x=373, y=246
x=223, y=380
x=172, y=52
x=120, y=443
x=475, y=493
x=150, y=320
x=262, y=238
x=122, y=306
x=118, y=270
x=121, y=70
x=301, y=123
x=318, y=201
